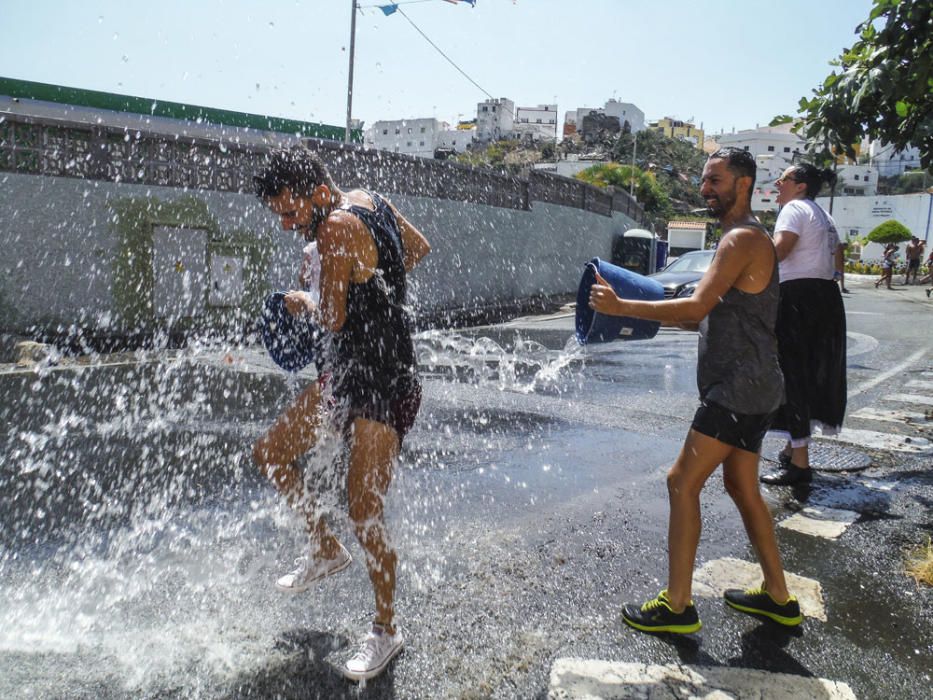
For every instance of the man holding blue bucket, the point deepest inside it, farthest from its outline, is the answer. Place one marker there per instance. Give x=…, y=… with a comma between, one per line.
x=367, y=382
x=741, y=386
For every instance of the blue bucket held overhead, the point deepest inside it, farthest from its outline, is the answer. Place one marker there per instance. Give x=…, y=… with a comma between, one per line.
x=593, y=327
x=291, y=342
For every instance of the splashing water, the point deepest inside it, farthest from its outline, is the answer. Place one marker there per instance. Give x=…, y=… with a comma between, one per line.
x=136, y=532
x=527, y=368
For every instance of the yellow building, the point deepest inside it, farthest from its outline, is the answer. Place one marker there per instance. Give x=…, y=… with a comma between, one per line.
x=676, y=129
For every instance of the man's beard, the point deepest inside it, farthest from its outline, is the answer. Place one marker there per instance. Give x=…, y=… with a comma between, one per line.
x=718, y=206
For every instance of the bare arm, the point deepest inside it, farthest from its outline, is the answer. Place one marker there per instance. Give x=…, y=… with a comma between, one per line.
x=338, y=243
x=731, y=259
x=414, y=243
x=784, y=242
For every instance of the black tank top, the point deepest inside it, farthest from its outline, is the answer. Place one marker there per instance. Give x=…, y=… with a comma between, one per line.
x=738, y=363
x=375, y=343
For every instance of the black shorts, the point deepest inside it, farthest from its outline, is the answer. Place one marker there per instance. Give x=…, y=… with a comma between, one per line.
x=394, y=403
x=737, y=429
x=913, y=264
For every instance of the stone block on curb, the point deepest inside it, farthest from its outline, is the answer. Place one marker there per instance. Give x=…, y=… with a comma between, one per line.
x=576, y=679
x=714, y=577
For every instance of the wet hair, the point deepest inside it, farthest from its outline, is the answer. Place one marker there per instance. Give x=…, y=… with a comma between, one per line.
x=813, y=177
x=296, y=168
x=740, y=162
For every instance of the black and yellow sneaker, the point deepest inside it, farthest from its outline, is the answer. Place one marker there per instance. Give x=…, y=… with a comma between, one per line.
x=657, y=615
x=757, y=601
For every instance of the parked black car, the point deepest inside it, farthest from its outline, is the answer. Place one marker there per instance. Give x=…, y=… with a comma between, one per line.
x=681, y=276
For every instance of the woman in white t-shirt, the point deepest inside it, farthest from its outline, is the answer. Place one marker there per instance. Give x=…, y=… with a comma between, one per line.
x=811, y=324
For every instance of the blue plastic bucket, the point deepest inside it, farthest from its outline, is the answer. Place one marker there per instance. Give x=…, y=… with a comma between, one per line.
x=291, y=342
x=593, y=327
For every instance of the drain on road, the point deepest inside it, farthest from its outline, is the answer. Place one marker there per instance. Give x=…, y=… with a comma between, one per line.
x=834, y=458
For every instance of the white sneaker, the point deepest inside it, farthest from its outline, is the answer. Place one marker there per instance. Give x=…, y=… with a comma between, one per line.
x=309, y=571
x=377, y=650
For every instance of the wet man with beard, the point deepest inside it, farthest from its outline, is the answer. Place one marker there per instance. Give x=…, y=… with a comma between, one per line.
x=741, y=386
x=367, y=387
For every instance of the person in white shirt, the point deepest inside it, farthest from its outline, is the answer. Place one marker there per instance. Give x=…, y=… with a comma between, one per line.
x=811, y=324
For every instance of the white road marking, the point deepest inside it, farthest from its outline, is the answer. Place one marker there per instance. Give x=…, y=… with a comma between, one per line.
x=871, y=413
x=910, y=398
x=714, y=577
x=861, y=344
x=882, y=441
x=576, y=679
x=919, y=384
x=888, y=373
x=828, y=523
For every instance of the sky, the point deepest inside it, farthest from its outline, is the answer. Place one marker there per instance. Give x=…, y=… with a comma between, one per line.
x=724, y=64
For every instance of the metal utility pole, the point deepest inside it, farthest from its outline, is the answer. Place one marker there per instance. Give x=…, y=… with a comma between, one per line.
x=631, y=184
x=346, y=135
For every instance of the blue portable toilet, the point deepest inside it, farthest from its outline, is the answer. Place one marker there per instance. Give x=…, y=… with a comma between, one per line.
x=638, y=251
x=662, y=248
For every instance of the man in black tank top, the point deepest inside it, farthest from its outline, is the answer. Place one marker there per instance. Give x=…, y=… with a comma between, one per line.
x=367, y=380
x=741, y=386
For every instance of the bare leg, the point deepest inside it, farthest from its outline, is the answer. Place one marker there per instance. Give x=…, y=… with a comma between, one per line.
x=373, y=450
x=293, y=434
x=800, y=457
x=698, y=458
x=740, y=476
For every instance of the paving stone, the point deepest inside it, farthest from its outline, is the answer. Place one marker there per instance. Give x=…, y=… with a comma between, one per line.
x=828, y=523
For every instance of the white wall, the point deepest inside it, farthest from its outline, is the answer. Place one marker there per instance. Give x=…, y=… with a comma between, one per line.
x=415, y=137
x=856, y=216
x=890, y=162
x=494, y=119
x=768, y=140
x=538, y=123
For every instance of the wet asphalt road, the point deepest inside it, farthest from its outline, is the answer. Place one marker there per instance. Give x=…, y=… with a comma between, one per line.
x=138, y=547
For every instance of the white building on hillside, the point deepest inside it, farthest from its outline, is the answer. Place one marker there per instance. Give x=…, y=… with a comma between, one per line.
x=774, y=148
x=417, y=137
x=889, y=162
x=623, y=111
x=457, y=139
x=536, y=123
x=767, y=140
x=494, y=119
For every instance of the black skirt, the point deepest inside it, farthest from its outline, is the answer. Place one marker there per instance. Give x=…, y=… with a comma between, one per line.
x=811, y=333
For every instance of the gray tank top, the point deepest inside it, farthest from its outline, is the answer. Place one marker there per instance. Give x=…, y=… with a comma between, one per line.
x=738, y=364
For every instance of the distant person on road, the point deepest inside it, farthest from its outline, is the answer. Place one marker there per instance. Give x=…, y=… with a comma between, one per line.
x=888, y=260
x=914, y=254
x=368, y=385
x=811, y=324
x=840, y=273
x=739, y=377
x=928, y=277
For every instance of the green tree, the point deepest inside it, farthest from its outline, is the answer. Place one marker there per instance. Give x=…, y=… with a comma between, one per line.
x=647, y=190
x=676, y=164
x=882, y=87
x=891, y=231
